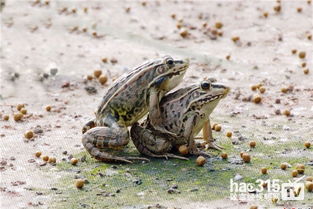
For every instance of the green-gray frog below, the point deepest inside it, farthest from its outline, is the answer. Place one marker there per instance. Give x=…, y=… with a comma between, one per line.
x=183, y=112
x=127, y=101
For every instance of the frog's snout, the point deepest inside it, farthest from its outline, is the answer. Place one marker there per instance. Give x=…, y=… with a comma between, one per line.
x=226, y=90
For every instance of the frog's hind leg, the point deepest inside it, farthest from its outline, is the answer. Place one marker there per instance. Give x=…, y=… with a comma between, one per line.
x=98, y=138
x=150, y=144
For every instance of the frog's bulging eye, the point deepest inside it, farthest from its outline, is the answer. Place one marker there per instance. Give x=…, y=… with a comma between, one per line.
x=170, y=62
x=205, y=85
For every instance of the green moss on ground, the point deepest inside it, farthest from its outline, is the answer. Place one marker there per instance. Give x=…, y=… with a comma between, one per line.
x=139, y=184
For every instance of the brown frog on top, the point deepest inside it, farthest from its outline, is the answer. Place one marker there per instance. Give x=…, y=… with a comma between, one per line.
x=127, y=101
x=183, y=112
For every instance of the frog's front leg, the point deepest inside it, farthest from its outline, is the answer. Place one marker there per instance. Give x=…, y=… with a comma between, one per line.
x=208, y=136
x=189, y=135
x=155, y=112
x=151, y=144
x=114, y=138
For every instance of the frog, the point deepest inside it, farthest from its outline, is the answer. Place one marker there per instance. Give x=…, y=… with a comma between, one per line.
x=184, y=112
x=128, y=100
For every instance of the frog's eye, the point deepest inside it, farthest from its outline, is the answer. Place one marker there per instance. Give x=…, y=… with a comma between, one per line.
x=205, y=85
x=170, y=62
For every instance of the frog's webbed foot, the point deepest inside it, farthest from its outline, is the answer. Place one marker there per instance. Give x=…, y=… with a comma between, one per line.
x=212, y=145
x=137, y=158
x=197, y=152
x=169, y=155
x=89, y=125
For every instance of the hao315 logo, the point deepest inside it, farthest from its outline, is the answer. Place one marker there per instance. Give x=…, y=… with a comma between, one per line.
x=292, y=191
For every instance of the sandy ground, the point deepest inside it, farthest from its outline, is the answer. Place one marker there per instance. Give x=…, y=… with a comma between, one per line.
x=39, y=36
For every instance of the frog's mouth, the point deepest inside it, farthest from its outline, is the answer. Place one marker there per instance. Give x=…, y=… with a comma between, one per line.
x=177, y=73
x=212, y=98
x=226, y=91
x=180, y=70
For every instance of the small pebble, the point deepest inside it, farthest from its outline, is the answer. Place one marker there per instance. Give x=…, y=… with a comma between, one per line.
x=97, y=73
x=200, y=161
x=294, y=51
x=19, y=106
x=262, y=90
x=257, y=99
x=103, y=79
x=6, y=117
x=302, y=55
x=284, y=90
x=252, y=144
x=277, y=112
x=246, y=158
x=23, y=111
x=183, y=149
x=300, y=168
x=79, y=183
x=29, y=134
x=48, y=108
x=309, y=178
x=18, y=116
x=218, y=25
x=286, y=112
x=52, y=160
x=306, y=71
x=113, y=61
x=307, y=144
x=53, y=71
x=264, y=171
x=218, y=128
x=235, y=38
x=38, y=154
x=89, y=77
x=294, y=173
x=277, y=8
x=283, y=166
x=74, y=161
x=224, y=155
x=45, y=158
x=309, y=186
x=184, y=33
x=229, y=134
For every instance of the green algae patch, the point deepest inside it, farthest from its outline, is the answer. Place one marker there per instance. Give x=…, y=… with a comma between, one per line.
x=160, y=180
x=139, y=184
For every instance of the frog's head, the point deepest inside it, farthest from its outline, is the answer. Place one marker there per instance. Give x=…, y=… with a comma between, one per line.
x=210, y=88
x=169, y=72
x=208, y=94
